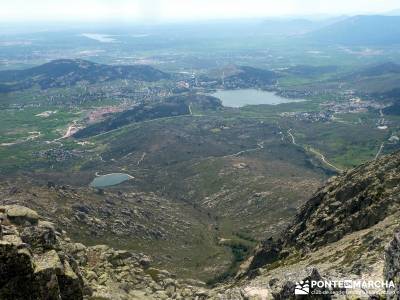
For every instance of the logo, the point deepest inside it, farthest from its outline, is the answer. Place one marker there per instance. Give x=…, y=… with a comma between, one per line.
x=338, y=287
x=302, y=288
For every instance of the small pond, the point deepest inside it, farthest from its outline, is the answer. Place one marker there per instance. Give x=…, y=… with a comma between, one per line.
x=110, y=179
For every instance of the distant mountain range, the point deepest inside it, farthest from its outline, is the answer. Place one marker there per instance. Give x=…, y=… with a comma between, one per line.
x=360, y=30
x=395, y=12
x=381, y=80
x=377, y=70
x=68, y=72
x=290, y=27
x=232, y=76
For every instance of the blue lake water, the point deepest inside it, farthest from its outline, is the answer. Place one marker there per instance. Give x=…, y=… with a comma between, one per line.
x=243, y=97
x=110, y=179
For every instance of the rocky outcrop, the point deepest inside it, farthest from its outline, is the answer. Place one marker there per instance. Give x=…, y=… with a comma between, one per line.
x=268, y=252
x=21, y=215
x=356, y=200
x=37, y=261
x=32, y=264
x=123, y=218
x=392, y=266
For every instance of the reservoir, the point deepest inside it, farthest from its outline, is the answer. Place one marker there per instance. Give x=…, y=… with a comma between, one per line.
x=243, y=97
x=110, y=179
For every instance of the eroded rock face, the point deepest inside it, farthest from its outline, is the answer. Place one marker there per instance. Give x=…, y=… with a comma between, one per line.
x=40, y=238
x=38, y=262
x=32, y=266
x=353, y=201
x=268, y=252
x=392, y=266
x=16, y=269
x=356, y=200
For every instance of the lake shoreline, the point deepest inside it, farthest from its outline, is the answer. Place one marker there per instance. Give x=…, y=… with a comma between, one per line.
x=111, y=179
x=238, y=98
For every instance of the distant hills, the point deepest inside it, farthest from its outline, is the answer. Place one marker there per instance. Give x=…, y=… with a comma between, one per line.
x=289, y=27
x=310, y=71
x=380, y=69
x=68, y=72
x=360, y=30
x=172, y=107
x=381, y=80
x=232, y=76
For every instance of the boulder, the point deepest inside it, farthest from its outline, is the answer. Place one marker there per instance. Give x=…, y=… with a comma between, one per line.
x=71, y=284
x=145, y=262
x=41, y=237
x=16, y=272
x=31, y=264
x=47, y=267
x=21, y=215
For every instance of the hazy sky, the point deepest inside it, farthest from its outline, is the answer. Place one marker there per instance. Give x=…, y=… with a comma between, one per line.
x=175, y=10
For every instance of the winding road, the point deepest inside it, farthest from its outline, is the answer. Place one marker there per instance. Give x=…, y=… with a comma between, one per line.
x=292, y=136
x=383, y=144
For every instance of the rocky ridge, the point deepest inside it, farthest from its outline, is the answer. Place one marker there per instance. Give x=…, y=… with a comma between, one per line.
x=351, y=202
x=342, y=231
x=38, y=261
x=120, y=218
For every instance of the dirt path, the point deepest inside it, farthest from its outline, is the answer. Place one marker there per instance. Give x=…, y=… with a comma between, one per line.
x=33, y=136
x=70, y=131
x=322, y=157
x=141, y=159
x=260, y=145
x=380, y=150
x=291, y=135
x=318, y=154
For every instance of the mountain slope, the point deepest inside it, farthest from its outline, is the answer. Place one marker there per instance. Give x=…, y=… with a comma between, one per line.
x=38, y=261
x=379, y=80
x=361, y=30
x=233, y=76
x=345, y=231
x=173, y=233
x=68, y=72
x=172, y=107
x=342, y=230
x=377, y=70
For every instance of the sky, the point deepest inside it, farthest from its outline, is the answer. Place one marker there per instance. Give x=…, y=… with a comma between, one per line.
x=179, y=10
